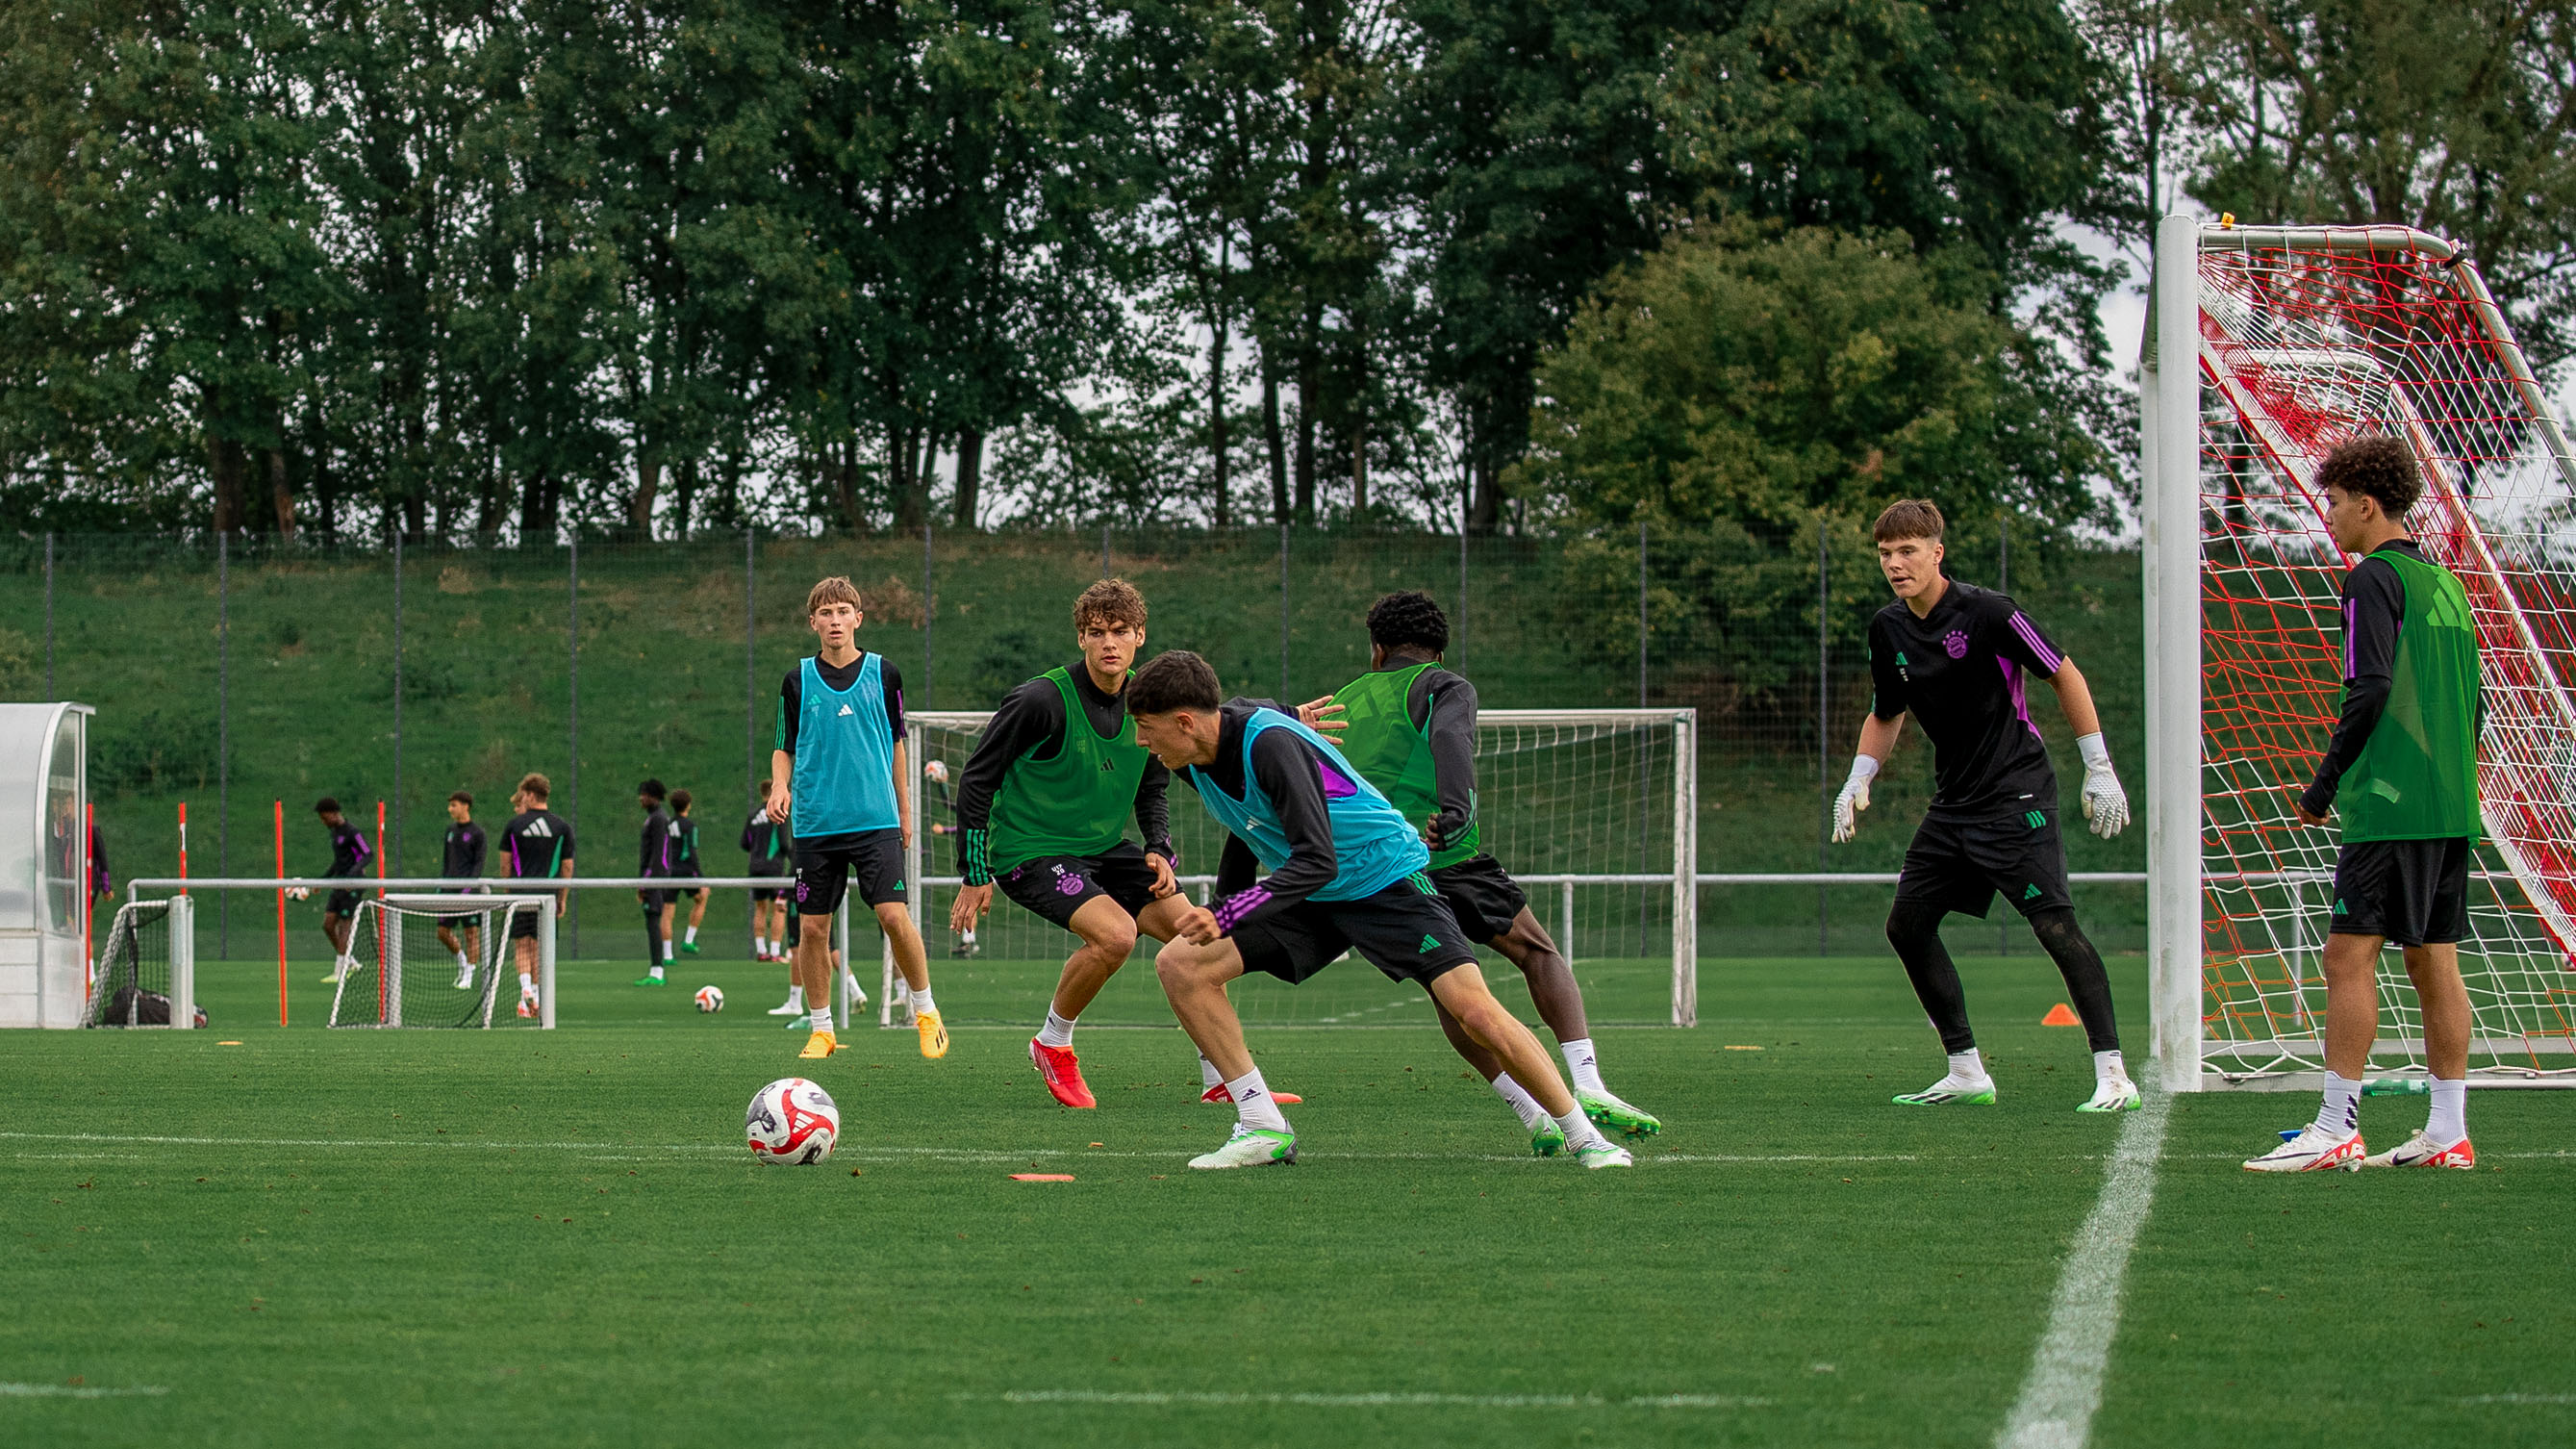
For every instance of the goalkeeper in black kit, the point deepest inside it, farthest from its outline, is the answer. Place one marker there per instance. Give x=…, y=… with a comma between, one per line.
x=1957, y=657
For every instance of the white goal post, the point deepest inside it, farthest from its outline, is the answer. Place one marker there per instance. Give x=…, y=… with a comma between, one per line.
x=405, y=974
x=1594, y=810
x=2267, y=347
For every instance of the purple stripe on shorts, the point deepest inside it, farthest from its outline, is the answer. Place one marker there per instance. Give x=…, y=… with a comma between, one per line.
x=1231, y=911
x=2049, y=659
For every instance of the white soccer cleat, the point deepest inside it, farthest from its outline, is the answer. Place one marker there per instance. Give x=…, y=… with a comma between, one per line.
x=465, y=979
x=2313, y=1150
x=1250, y=1147
x=1602, y=1152
x=792, y=1006
x=2116, y=1094
x=1952, y=1090
x=858, y=993
x=2416, y=1152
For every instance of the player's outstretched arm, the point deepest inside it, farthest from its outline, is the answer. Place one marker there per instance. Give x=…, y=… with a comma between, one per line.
x=1877, y=738
x=2106, y=805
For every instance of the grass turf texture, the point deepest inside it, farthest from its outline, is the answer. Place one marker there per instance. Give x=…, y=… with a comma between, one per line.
x=558, y=1239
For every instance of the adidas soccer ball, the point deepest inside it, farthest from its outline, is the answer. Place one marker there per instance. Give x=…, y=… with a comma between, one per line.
x=710, y=998
x=792, y=1121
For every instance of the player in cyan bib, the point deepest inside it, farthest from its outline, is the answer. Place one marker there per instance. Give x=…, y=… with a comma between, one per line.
x=1344, y=872
x=837, y=777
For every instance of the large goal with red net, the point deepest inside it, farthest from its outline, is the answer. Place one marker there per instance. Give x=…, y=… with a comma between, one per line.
x=2267, y=347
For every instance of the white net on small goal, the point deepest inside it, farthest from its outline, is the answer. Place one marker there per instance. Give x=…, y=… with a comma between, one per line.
x=1592, y=811
x=443, y=960
x=132, y=984
x=2308, y=337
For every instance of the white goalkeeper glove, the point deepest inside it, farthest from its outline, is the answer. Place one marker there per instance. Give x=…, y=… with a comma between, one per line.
x=2106, y=805
x=1854, y=798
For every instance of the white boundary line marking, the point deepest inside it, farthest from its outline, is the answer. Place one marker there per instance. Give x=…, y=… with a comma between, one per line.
x=74, y=1391
x=2064, y=1387
x=2520, y=1399
x=1365, y=1401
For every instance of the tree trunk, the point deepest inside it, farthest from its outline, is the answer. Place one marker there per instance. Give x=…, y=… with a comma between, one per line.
x=1359, y=471
x=684, y=493
x=970, y=476
x=226, y=460
x=536, y=514
x=1272, y=437
x=1310, y=380
x=487, y=507
x=1217, y=440
x=280, y=496
x=415, y=515
x=648, y=482
x=845, y=486
x=1485, y=501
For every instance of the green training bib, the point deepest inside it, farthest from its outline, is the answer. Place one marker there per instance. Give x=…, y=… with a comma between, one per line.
x=2417, y=778
x=1391, y=754
x=1077, y=803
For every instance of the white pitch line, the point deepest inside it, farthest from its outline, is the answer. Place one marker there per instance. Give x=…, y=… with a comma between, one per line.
x=74, y=1391
x=1369, y=1401
x=2064, y=1387
x=2520, y=1399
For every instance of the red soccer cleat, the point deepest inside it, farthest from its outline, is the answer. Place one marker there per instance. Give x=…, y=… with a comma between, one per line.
x=1218, y=1094
x=1062, y=1072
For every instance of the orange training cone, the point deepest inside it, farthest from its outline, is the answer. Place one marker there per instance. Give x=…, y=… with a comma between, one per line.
x=2061, y=1015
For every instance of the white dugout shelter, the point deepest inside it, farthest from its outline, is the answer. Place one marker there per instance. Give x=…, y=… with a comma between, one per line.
x=44, y=807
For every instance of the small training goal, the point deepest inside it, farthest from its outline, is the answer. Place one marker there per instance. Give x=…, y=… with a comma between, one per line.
x=446, y=960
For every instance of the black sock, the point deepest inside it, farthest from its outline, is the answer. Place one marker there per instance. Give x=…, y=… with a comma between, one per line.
x=2086, y=980
x=1914, y=929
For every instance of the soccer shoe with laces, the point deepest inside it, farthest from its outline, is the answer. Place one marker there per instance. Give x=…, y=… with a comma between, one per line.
x=1612, y=1115
x=934, y=1034
x=464, y=980
x=1546, y=1139
x=1950, y=1091
x=2416, y=1152
x=527, y=1009
x=792, y=1006
x=1602, y=1152
x=1219, y=1096
x=820, y=1044
x=2313, y=1151
x=340, y=970
x=1061, y=1070
x=1250, y=1147
x=2117, y=1094
x=651, y=981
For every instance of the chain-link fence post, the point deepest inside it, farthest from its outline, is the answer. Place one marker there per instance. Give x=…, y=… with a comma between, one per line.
x=929, y=595
x=223, y=739
x=572, y=707
x=1641, y=613
x=1283, y=611
x=49, y=616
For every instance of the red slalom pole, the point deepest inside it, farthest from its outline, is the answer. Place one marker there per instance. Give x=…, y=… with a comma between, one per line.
x=380, y=920
x=277, y=825
x=183, y=844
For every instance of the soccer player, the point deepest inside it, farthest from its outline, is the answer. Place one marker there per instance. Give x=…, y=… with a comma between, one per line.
x=684, y=866
x=1410, y=730
x=538, y=845
x=764, y=839
x=1042, y=808
x=350, y=853
x=1345, y=872
x=653, y=861
x=965, y=947
x=2403, y=759
x=838, y=776
x=461, y=858
x=1955, y=657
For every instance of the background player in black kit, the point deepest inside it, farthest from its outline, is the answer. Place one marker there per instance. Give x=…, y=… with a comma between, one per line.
x=683, y=828
x=1955, y=657
x=350, y=853
x=537, y=843
x=653, y=859
x=460, y=857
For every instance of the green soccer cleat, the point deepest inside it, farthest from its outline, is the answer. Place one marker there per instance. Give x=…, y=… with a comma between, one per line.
x=651, y=981
x=1250, y=1147
x=1602, y=1152
x=1546, y=1139
x=1612, y=1115
x=2112, y=1096
x=688, y=948
x=1949, y=1092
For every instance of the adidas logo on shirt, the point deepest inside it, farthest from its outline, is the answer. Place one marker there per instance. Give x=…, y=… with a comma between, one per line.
x=846, y=710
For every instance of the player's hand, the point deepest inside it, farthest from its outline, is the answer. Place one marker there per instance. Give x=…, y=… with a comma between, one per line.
x=972, y=902
x=782, y=803
x=1437, y=830
x=1318, y=715
x=2106, y=805
x=907, y=835
x=1854, y=798
x=1164, y=882
x=2308, y=816
x=1197, y=926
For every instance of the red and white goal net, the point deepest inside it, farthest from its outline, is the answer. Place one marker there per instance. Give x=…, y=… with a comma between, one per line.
x=2306, y=337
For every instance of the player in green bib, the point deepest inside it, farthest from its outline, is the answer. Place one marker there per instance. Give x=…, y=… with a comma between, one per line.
x=1410, y=728
x=2403, y=762
x=1042, y=810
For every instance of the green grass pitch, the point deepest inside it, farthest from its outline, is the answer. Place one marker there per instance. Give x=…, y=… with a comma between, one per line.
x=520, y=1238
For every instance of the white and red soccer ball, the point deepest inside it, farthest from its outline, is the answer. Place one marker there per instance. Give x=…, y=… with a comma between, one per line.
x=792, y=1121
x=710, y=998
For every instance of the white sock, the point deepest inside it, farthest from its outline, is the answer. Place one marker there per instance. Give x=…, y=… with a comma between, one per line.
x=1252, y=1104
x=527, y=985
x=1579, y=1131
x=2340, y=1112
x=2450, y=1120
x=1207, y=1075
x=1058, y=1031
x=922, y=1005
x=657, y=971
x=667, y=947
x=1584, y=1066
x=778, y=950
x=966, y=938
x=2108, y=1067
x=1521, y=1101
x=462, y=964
x=693, y=935
x=1967, y=1066
x=822, y=1018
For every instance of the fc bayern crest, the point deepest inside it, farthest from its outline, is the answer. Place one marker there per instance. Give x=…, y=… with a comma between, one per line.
x=1956, y=644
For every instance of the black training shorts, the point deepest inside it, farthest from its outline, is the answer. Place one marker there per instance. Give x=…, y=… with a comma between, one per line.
x=654, y=900
x=1482, y=895
x=1404, y=930
x=2413, y=892
x=342, y=903
x=868, y=863
x=1056, y=886
x=523, y=925
x=1959, y=865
